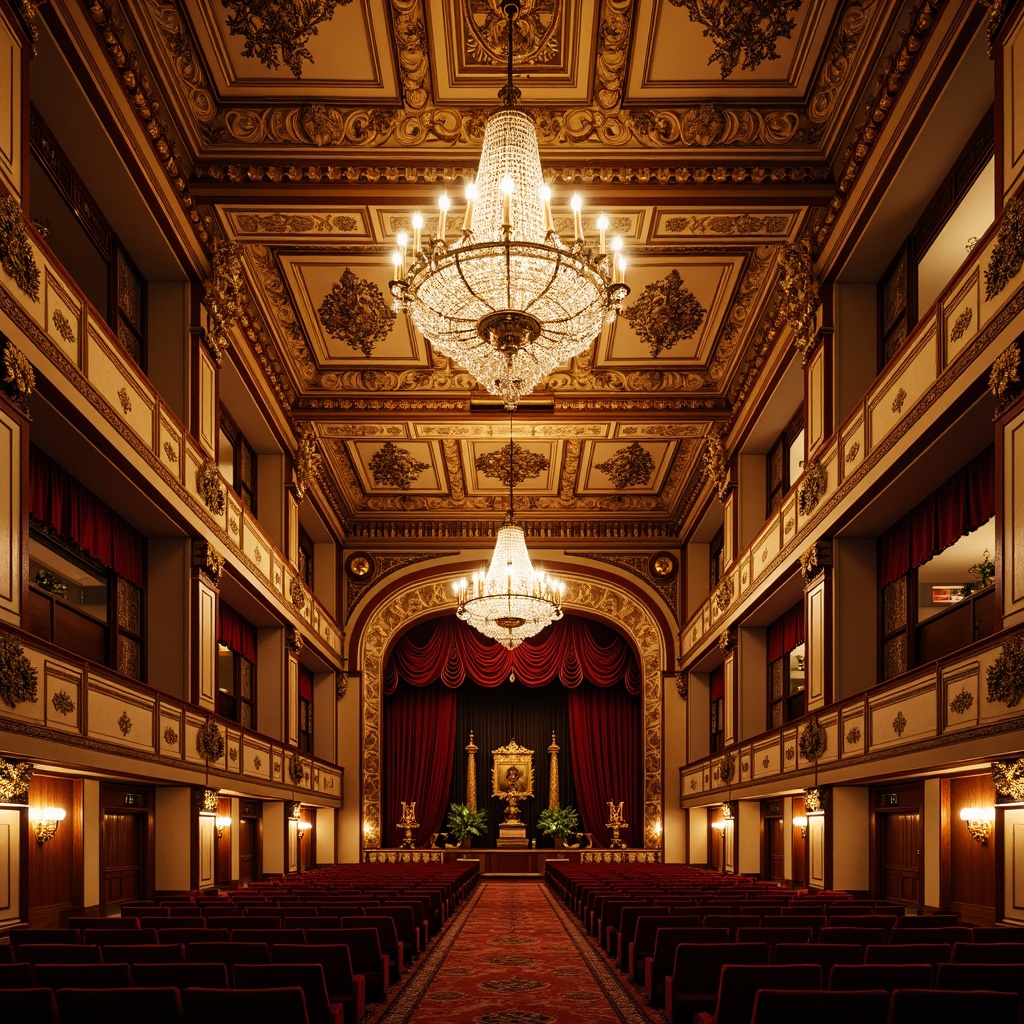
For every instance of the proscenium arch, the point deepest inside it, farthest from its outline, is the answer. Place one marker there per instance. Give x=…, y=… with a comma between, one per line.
x=588, y=596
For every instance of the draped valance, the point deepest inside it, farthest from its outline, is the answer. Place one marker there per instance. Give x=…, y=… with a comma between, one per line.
x=235, y=632
x=789, y=630
x=571, y=650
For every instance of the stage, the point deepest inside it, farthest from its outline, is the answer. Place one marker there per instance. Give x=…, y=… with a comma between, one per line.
x=511, y=863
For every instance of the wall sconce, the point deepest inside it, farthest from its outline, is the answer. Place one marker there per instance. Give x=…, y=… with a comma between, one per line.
x=656, y=829
x=979, y=822
x=223, y=822
x=45, y=821
x=719, y=825
x=800, y=822
x=304, y=827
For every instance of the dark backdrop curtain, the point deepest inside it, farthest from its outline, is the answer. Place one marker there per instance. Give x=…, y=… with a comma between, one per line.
x=235, y=632
x=419, y=744
x=964, y=502
x=786, y=632
x=61, y=503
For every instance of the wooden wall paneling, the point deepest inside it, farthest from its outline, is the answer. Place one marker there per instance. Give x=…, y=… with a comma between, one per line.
x=207, y=851
x=13, y=510
x=1009, y=54
x=819, y=641
x=13, y=831
x=897, y=839
x=1013, y=865
x=1009, y=514
x=292, y=698
x=225, y=842
x=51, y=865
x=729, y=704
x=971, y=864
x=204, y=652
x=206, y=421
x=13, y=102
x=816, y=851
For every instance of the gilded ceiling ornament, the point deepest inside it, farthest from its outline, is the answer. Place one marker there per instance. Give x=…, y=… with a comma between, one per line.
x=716, y=468
x=354, y=311
x=813, y=740
x=16, y=256
x=19, y=379
x=294, y=639
x=812, y=488
x=18, y=677
x=208, y=560
x=223, y=297
x=323, y=125
x=629, y=466
x=535, y=32
x=665, y=313
x=209, y=741
x=296, y=223
x=498, y=465
x=1004, y=377
x=392, y=466
x=726, y=224
x=1005, y=676
x=799, y=294
x=308, y=462
x=727, y=769
x=723, y=594
x=703, y=125
x=14, y=780
x=750, y=28
x=1008, y=777
x=209, y=487
x=285, y=25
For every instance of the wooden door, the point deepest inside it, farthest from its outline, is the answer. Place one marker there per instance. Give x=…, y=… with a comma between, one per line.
x=246, y=849
x=775, y=850
x=122, y=857
x=900, y=854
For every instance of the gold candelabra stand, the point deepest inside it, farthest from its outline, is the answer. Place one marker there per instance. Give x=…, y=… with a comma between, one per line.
x=616, y=824
x=408, y=823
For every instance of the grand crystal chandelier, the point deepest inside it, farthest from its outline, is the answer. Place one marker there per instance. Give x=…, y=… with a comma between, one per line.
x=511, y=600
x=508, y=299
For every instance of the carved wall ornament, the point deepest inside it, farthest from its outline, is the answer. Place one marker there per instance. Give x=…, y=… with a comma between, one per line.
x=750, y=28
x=16, y=256
x=899, y=723
x=285, y=25
x=765, y=761
x=19, y=379
x=257, y=762
x=629, y=466
x=297, y=594
x=1004, y=377
x=1005, y=676
x=232, y=754
x=666, y=312
x=210, y=741
x=14, y=780
x=813, y=740
x=62, y=702
x=723, y=594
x=125, y=399
x=790, y=753
x=962, y=702
x=812, y=487
x=726, y=640
x=683, y=685
x=354, y=312
x=813, y=800
x=853, y=736
x=296, y=771
x=209, y=487
x=746, y=767
x=1008, y=777
x=899, y=400
x=799, y=294
x=171, y=452
x=789, y=526
x=18, y=677
x=233, y=526
x=223, y=296
x=209, y=561
x=960, y=325
x=308, y=462
x=512, y=460
x=814, y=559
x=716, y=468
x=277, y=767
x=340, y=685
x=170, y=736
x=294, y=639
x=259, y=555
x=727, y=769
x=1008, y=253
x=852, y=451
x=63, y=325
x=392, y=466
x=124, y=723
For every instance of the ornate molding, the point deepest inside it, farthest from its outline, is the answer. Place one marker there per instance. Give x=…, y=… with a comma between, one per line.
x=1005, y=676
x=222, y=298
x=396, y=614
x=723, y=594
x=666, y=312
x=14, y=780
x=628, y=467
x=19, y=379
x=1008, y=253
x=813, y=740
x=354, y=312
x=1008, y=777
x=812, y=488
x=208, y=560
x=1004, y=377
x=16, y=256
x=19, y=679
x=294, y=640
x=814, y=559
x=209, y=487
x=297, y=593
x=308, y=462
x=799, y=295
x=716, y=468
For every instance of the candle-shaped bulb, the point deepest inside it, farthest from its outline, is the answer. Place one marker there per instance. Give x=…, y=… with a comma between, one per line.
x=467, y=223
x=417, y=229
x=444, y=204
x=398, y=260
x=402, y=239
x=602, y=227
x=616, y=247
x=620, y=270
x=508, y=186
x=577, y=216
x=545, y=198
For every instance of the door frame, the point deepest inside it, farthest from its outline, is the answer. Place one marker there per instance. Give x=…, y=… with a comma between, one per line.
x=909, y=799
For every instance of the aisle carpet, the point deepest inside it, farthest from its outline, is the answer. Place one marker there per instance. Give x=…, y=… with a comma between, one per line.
x=515, y=956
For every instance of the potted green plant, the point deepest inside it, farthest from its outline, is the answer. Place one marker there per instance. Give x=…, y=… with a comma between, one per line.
x=561, y=823
x=463, y=823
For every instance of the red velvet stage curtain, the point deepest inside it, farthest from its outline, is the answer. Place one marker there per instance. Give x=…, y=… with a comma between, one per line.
x=570, y=650
x=964, y=502
x=605, y=749
x=789, y=630
x=418, y=756
x=64, y=505
x=235, y=632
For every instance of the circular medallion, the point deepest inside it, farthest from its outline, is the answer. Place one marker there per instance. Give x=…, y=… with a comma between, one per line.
x=359, y=566
x=663, y=565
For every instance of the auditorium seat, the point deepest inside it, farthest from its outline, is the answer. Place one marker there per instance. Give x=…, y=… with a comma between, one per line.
x=813, y=921
x=631, y=929
x=935, y=1006
x=693, y=983
x=187, y=935
x=850, y=977
x=909, y=953
x=81, y=923
x=37, y=1005
x=367, y=957
x=886, y=921
x=119, y=936
x=253, y=1005
x=307, y=922
x=44, y=936
x=949, y=934
x=6, y=953
x=345, y=987
x=929, y=921
x=270, y=936
x=739, y=983
x=89, y=1005
x=16, y=976
x=731, y=921
x=181, y=976
x=228, y=953
x=308, y=977
x=826, y=955
x=862, y=937
x=57, y=976
x=999, y=934
x=993, y=977
x=406, y=929
x=236, y=921
x=988, y=953
x=59, y=953
x=387, y=936
x=774, y=935
x=155, y=953
x=784, y=1006
x=659, y=964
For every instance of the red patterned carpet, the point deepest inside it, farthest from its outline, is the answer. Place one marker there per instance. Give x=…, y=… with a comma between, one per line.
x=514, y=956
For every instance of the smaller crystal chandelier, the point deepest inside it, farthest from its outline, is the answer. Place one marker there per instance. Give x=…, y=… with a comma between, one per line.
x=511, y=600
x=508, y=299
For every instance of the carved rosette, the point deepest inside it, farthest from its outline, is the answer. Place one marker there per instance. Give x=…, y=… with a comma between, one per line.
x=354, y=312
x=18, y=379
x=812, y=488
x=799, y=294
x=209, y=561
x=209, y=487
x=813, y=740
x=723, y=594
x=210, y=741
x=628, y=467
x=18, y=676
x=716, y=468
x=296, y=770
x=666, y=312
x=1008, y=777
x=727, y=769
x=223, y=297
x=14, y=780
x=1008, y=254
x=392, y=466
x=1005, y=676
x=297, y=594
x=16, y=256
x=308, y=462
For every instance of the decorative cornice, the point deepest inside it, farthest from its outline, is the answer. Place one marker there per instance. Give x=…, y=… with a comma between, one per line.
x=639, y=566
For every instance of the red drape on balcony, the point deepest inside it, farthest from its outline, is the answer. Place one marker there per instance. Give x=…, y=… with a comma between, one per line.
x=569, y=650
x=235, y=632
x=964, y=502
x=305, y=683
x=789, y=630
x=717, y=682
x=62, y=504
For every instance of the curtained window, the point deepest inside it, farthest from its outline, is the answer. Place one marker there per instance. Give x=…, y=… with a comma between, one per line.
x=236, y=667
x=305, y=710
x=786, y=678
x=577, y=679
x=717, y=729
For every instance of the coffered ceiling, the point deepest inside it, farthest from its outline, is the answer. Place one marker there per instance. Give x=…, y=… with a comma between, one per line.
x=705, y=177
